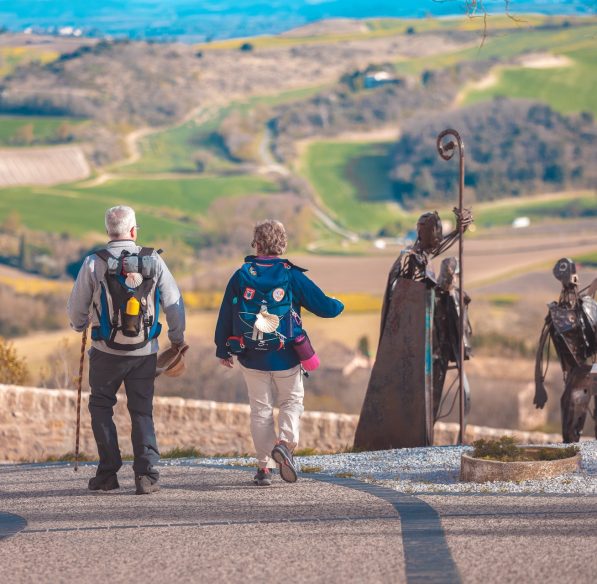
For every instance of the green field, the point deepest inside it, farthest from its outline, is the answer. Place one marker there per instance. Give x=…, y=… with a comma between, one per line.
x=60, y=211
x=581, y=204
x=350, y=178
x=164, y=207
x=568, y=89
x=172, y=150
x=190, y=196
x=45, y=128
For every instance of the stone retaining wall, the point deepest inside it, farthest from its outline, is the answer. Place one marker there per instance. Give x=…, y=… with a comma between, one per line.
x=38, y=423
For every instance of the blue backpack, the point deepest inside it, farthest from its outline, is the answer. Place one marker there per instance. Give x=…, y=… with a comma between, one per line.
x=264, y=320
x=126, y=316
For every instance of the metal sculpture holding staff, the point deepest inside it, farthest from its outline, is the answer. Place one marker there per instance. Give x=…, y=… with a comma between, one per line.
x=422, y=327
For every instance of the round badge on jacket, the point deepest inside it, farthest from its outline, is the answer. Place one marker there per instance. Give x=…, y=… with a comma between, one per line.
x=278, y=294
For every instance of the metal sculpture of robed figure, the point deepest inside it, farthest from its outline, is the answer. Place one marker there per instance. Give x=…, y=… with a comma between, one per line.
x=419, y=338
x=423, y=330
x=571, y=325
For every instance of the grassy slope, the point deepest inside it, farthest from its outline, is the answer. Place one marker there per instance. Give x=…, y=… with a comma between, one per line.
x=192, y=195
x=566, y=204
x=502, y=45
x=56, y=210
x=44, y=127
x=172, y=150
x=567, y=89
x=345, y=175
x=162, y=205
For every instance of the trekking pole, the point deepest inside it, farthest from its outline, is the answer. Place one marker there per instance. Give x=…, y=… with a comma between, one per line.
x=446, y=150
x=79, y=391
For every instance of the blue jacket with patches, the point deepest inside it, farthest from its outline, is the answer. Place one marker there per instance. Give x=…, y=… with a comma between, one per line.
x=305, y=293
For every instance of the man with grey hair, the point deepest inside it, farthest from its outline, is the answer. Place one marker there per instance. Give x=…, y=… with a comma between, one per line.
x=119, y=291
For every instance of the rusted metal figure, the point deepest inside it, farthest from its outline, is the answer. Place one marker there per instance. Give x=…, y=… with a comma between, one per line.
x=399, y=408
x=571, y=325
x=446, y=337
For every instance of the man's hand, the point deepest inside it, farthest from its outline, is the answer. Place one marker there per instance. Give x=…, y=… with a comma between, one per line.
x=227, y=362
x=180, y=347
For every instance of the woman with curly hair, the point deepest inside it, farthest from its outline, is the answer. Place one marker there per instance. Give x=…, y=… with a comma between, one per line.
x=260, y=323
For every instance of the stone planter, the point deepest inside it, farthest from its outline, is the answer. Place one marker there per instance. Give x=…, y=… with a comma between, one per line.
x=479, y=470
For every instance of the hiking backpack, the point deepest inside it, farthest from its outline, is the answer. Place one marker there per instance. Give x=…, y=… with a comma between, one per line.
x=129, y=300
x=264, y=321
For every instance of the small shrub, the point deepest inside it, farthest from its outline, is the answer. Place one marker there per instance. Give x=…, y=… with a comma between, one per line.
x=70, y=457
x=558, y=454
x=306, y=452
x=186, y=452
x=13, y=368
x=311, y=469
x=505, y=449
x=241, y=463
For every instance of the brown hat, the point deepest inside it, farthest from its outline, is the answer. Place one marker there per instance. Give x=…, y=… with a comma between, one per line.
x=171, y=361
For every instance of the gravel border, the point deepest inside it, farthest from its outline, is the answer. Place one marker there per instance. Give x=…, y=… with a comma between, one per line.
x=429, y=470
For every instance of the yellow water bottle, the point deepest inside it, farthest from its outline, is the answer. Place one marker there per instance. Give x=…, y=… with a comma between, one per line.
x=130, y=321
x=133, y=307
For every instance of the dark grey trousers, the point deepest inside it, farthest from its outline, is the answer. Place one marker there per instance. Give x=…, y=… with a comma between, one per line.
x=106, y=374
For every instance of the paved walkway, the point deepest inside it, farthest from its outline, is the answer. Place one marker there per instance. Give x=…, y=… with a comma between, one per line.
x=212, y=524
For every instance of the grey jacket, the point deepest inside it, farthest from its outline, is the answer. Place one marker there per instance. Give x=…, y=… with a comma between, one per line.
x=86, y=293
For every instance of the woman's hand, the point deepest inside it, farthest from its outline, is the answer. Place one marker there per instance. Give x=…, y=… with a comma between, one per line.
x=227, y=362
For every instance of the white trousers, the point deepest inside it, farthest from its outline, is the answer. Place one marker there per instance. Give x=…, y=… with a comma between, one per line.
x=261, y=386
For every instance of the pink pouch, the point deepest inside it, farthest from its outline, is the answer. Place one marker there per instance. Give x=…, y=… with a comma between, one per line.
x=305, y=352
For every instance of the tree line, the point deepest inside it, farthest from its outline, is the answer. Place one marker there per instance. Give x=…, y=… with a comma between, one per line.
x=513, y=148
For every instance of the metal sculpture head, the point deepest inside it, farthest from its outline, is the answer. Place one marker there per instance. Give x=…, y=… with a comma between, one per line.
x=429, y=231
x=565, y=272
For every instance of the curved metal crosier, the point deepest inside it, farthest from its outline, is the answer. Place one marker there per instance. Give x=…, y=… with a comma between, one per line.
x=447, y=149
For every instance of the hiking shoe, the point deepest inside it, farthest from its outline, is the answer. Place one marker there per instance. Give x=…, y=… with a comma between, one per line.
x=263, y=478
x=283, y=457
x=145, y=485
x=103, y=483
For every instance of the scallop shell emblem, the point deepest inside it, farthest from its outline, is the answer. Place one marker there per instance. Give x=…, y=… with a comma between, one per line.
x=266, y=322
x=133, y=279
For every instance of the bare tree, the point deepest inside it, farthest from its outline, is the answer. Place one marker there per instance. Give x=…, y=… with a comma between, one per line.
x=477, y=9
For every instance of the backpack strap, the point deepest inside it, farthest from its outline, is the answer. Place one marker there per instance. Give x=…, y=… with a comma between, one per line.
x=146, y=251
x=104, y=254
x=290, y=264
